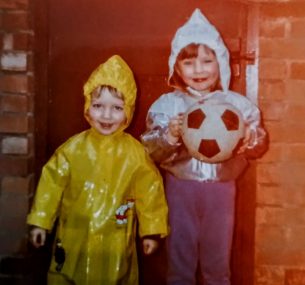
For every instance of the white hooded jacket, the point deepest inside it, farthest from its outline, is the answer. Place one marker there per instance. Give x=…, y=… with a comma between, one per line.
x=175, y=158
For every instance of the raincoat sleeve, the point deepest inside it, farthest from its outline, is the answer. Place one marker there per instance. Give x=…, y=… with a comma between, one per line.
x=53, y=180
x=151, y=206
x=258, y=139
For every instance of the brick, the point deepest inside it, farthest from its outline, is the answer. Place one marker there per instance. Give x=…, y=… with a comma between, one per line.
x=14, y=205
x=10, y=242
x=269, y=275
x=275, y=132
x=281, y=173
x=8, y=41
x=16, y=185
x=282, y=48
x=14, y=123
x=280, y=245
x=295, y=277
x=274, y=111
x=13, y=224
x=298, y=29
x=14, y=4
x=295, y=152
x=278, y=216
x=285, y=111
x=271, y=90
x=14, y=61
x=294, y=112
x=14, y=166
x=267, y=174
x=294, y=90
x=289, y=195
x=297, y=70
x=13, y=21
x=283, y=10
x=288, y=132
x=14, y=103
x=271, y=195
x=273, y=28
x=23, y=41
x=14, y=145
x=14, y=83
x=275, y=153
x=273, y=69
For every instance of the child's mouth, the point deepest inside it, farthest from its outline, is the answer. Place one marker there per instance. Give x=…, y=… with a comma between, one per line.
x=199, y=80
x=106, y=125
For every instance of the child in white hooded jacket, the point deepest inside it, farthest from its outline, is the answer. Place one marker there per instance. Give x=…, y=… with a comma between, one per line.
x=201, y=196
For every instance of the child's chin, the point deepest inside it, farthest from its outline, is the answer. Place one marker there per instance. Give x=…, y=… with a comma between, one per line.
x=105, y=132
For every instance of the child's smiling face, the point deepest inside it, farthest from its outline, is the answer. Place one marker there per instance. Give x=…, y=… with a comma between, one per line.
x=200, y=73
x=106, y=112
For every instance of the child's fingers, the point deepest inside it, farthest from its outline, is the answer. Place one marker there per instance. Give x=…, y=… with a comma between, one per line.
x=147, y=249
x=149, y=246
x=42, y=238
x=246, y=141
x=175, y=125
x=38, y=237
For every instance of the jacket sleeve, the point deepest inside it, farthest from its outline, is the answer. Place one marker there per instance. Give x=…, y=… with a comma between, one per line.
x=53, y=181
x=155, y=137
x=150, y=202
x=258, y=140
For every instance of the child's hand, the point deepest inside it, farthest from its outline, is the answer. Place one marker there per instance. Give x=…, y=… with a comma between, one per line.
x=38, y=236
x=175, y=128
x=149, y=246
x=246, y=141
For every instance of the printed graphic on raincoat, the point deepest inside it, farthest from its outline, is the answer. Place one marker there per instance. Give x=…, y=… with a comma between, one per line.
x=175, y=158
x=99, y=187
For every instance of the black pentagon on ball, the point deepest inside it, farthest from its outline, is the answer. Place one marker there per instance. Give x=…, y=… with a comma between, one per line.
x=230, y=120
x=209, y=148
x=195, y=119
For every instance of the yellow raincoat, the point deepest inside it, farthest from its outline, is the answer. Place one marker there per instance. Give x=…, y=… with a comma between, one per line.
x=99, y=187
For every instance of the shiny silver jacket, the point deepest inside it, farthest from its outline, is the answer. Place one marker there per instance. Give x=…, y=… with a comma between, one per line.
x=176, y=159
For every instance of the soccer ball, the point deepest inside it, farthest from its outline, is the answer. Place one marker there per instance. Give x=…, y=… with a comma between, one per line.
x=212, y=130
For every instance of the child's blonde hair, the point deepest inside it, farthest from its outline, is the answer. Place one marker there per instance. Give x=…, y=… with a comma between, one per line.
x=96, y=93
x=190, y=51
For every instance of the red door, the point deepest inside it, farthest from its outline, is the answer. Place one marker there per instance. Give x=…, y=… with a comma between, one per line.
x=77, y=35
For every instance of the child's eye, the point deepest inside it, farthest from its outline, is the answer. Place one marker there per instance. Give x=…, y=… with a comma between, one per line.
x=118, y=108
x=187, y=62
x=96, y=105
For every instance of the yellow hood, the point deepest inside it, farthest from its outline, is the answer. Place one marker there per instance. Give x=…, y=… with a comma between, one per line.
x=115, y=73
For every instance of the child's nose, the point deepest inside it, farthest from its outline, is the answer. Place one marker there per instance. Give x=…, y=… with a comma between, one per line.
x=198, y=66
x=106, y=113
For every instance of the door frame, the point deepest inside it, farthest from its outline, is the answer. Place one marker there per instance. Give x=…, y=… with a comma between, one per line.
x=244, y=260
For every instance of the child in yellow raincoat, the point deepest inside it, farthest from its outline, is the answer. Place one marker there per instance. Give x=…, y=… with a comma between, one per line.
x=98, y=184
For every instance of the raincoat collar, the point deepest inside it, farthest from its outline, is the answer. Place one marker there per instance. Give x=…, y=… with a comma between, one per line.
x=115, y=73
x=198, y=30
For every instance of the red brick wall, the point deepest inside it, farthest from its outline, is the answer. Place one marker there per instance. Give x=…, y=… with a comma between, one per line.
x=16, y=121
x=280, y=214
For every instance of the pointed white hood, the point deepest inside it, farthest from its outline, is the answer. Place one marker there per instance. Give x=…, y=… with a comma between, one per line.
x=199, y=30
